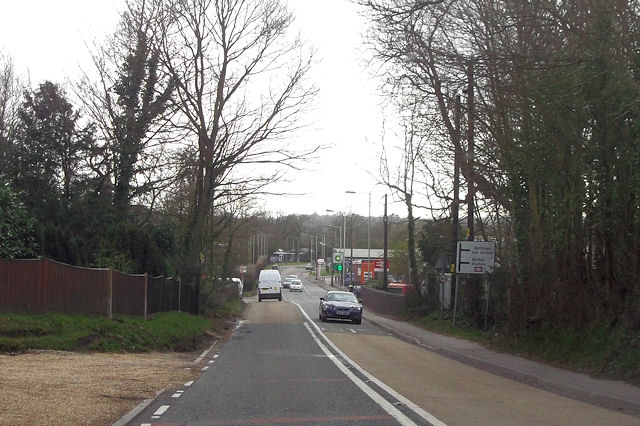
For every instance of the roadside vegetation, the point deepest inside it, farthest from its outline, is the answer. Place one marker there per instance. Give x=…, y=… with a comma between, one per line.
x=168, y=331
x=596, y=351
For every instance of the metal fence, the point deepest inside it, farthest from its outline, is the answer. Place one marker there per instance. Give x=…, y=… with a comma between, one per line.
x=44, y=285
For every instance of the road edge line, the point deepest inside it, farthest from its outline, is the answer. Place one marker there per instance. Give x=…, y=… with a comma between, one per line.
x=408, y=403
x=136, y=410
x=375, y=396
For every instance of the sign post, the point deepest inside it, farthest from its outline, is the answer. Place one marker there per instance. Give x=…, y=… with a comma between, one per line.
x=473, y=257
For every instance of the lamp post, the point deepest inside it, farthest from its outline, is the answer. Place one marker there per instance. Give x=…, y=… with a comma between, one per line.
x=368, y=233
x=339, y=228
x=385, y=220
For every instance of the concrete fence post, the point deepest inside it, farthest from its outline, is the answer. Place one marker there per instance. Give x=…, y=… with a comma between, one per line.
x=43, y=284
x=146, y=284
x=110, y=293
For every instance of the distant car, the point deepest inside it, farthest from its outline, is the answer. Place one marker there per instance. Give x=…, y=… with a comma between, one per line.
x=309, y=267
x=240, y=285
x=286, y=282
x=340, y=305
x=276, y=267
x=295, y=285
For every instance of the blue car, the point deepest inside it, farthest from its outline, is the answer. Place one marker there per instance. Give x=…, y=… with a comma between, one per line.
x=340, y=305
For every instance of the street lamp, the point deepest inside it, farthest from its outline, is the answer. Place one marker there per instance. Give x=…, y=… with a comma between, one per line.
x=368, y=234
x=339, y=228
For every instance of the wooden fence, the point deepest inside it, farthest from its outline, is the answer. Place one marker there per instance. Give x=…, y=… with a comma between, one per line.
x=44, y=285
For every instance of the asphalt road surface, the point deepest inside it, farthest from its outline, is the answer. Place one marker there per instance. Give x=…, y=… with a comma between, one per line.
x=284, y=366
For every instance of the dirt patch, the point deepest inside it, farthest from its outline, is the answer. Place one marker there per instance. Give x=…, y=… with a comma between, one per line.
x=63, y=388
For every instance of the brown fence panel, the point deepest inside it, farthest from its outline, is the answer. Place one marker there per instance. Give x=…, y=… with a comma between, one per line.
x=162, y=295
x=21, y=284
x=72, y=289
x=155, y=294
x=46, y=285
x=128, y=294
x=170, y=299
x=188, y=298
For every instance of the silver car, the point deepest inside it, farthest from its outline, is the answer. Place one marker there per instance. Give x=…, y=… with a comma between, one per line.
x=295, y=285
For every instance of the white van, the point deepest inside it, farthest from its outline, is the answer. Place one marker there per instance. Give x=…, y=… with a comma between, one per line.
x=269, y=285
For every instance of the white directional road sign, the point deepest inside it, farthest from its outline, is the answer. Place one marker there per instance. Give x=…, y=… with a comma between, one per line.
x=476, y=257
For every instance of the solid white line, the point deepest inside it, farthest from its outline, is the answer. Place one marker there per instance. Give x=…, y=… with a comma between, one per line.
x=412, y=406
x=189, y=383
x=203, y=354
x=160, y=411
x=383, y=403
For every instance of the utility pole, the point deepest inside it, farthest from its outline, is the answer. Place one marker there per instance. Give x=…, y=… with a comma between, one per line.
x=344, y=243
x=385, y=221
x=455, y=205
x=470, y=152
x=369, y=241
x=351, y=251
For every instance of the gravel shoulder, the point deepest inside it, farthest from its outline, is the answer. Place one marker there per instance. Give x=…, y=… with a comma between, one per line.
x=69, y=388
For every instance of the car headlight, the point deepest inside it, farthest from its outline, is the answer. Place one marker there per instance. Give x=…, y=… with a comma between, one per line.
x=356, y=308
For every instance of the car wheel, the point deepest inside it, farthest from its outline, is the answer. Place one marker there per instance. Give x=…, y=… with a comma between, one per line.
x=259, y=299
x=358, y=321
x=280, y=298
x=322, y=318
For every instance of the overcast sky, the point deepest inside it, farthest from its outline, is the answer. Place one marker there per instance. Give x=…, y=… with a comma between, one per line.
x=47, y=39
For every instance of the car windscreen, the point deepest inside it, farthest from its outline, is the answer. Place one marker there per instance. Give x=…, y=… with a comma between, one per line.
x=341, y=297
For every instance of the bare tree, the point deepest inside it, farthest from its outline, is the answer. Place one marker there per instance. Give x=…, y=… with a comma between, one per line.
x=10, y=88
x=239, y=81
x=129, y=102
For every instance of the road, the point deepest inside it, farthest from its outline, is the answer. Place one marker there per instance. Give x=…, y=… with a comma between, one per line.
x=284, y=366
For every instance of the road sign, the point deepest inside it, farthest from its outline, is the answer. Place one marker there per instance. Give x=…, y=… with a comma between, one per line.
x=476, y=257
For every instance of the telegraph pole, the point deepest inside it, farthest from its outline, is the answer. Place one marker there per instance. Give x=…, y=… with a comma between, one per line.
x=470, y=152
x=385, y=221
x=455, y=205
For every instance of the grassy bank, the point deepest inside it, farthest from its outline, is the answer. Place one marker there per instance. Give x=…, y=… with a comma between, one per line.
x=591, y=350
x=173, y=331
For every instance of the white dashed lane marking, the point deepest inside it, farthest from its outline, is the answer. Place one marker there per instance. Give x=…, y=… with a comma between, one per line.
x=178, y=394
x=189, y=383
x=160, y=411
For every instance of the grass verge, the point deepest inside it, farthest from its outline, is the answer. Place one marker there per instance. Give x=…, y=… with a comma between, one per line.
x=614, y=354
x=173, y=331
